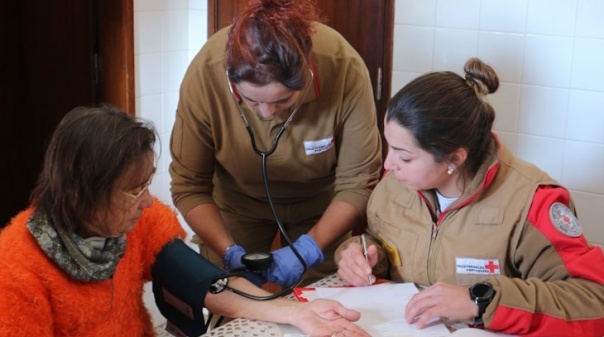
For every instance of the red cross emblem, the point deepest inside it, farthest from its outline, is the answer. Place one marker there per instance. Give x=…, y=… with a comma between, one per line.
x=491, y=267
x=564, y=220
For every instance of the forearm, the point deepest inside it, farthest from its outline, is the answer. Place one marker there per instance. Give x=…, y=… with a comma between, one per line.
x=205, y=220
x=569, y=306
x=339, y=218
x=229, y=304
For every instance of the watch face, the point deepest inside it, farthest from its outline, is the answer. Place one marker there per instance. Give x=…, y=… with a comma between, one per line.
x=482, y=291
x=481, y=294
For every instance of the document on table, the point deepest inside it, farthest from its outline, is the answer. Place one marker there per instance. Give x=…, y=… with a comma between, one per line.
x=470, y=332
x=382, y=309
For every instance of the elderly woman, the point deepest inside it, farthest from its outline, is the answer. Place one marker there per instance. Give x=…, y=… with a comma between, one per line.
x=74, y=263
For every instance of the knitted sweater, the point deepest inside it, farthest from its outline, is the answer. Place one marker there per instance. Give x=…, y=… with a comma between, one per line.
x=39, y=299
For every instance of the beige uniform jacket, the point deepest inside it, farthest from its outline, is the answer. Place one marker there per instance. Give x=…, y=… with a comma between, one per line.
x=515, y=228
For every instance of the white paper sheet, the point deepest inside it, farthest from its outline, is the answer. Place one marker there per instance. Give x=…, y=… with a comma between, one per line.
x=469, y=332
x=382, y=309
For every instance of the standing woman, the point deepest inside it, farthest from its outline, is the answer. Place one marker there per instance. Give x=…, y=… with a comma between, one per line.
x=276, y=90
x=493, y=239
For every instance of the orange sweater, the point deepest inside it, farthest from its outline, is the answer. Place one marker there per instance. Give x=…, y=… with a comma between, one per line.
x=39, y=299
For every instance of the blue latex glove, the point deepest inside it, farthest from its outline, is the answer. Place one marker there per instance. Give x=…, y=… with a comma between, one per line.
x=286, y=268
x=232, y=262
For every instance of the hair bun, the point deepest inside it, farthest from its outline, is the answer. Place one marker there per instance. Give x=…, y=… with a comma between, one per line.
x=481, y=77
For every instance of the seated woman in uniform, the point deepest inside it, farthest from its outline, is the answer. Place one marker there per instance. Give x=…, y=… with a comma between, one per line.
x=493, y=239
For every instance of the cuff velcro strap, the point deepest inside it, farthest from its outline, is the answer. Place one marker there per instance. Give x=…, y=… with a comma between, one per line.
x=181, y=279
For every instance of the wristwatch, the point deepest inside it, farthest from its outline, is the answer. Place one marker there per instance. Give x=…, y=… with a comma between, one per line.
x=482, y=294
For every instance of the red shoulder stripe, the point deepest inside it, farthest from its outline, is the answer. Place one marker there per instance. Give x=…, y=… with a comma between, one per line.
x=579, y=259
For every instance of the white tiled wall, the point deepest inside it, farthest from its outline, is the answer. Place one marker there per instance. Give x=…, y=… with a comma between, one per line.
x=167, y=34
x=549, y=56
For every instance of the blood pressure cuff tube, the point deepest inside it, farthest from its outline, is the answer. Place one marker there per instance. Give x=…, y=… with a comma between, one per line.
x=181, y=279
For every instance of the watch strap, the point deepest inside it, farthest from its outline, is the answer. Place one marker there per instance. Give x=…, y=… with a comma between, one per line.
x=482, y=294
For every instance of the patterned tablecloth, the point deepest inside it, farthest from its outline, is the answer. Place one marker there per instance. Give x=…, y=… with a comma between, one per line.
x=252, y=328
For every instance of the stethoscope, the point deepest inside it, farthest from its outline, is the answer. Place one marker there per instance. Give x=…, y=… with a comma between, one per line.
x=262, y=261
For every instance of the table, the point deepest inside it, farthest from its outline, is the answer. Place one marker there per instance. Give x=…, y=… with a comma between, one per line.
x=242, y=327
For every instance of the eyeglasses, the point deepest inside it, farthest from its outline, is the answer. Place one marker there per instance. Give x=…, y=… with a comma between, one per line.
x=142, y=191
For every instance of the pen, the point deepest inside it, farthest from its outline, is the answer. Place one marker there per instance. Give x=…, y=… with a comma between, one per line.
x=364, y=243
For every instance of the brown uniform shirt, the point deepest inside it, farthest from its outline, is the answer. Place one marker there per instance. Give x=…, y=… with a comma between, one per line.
x=330, y=151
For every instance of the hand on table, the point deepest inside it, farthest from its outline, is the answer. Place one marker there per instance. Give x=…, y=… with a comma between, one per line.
x=353, y=267
x=440, y=300
x=323, y=317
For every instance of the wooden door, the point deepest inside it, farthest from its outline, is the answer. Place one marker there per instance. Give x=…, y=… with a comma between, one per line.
x=367, y=24
x=54, y=58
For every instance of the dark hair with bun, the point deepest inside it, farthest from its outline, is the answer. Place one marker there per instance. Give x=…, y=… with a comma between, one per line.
x=445, y=112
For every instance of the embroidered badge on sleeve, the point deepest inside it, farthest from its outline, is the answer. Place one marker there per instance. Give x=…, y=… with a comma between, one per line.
x=564, y=220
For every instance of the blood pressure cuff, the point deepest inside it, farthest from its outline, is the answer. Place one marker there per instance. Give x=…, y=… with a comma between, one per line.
x=181, y=279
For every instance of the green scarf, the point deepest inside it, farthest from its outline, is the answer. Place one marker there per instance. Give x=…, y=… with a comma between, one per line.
x=78, y=258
